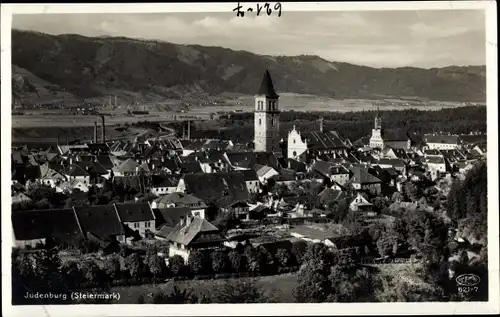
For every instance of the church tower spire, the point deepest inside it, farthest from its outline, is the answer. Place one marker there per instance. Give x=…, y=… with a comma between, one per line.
x=377, y=138
x=266, y=126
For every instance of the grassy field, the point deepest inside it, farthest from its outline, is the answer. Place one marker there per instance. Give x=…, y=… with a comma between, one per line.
x=278, y=287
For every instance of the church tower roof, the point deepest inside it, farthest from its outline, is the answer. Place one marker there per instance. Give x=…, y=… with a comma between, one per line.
x=267, y=86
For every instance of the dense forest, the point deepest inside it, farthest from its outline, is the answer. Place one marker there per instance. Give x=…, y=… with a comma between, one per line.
x=353, y=125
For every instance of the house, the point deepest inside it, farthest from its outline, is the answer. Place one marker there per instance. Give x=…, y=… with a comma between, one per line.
x=265, y=173
x=396, y=163
x=334, y=172
x=481, y=149
x=32, y=227
x=436, y=166
x=76, y=172
x=359, y=203
x=164, y=184
x=251, y=180
x=137, y=216
x=240, y=209
x=364, y=181
x=101, y=223
x=20, y=198
x=177, y=199
x=213, y=187
x=193, y=233
x=167, y=219
x=329, y=196
x=49, y=176
x=129, y=167
x=314, y=142
x=442, y=142
x=79, y=185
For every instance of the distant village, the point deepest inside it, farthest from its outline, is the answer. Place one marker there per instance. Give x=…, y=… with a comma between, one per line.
x=175, y=190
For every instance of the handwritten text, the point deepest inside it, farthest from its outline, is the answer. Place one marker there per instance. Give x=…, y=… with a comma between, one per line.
x=240, y=11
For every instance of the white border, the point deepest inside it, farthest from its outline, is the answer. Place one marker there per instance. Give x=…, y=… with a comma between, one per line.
x=255, y=309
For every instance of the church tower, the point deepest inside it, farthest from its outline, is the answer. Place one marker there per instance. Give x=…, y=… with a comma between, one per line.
x=267, y=112
x=377, y=139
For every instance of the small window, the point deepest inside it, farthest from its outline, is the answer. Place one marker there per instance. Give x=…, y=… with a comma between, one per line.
x=260, y=121
x=293, y=141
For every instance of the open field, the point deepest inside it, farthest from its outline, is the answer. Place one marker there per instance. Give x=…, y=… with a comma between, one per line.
x=278, y=287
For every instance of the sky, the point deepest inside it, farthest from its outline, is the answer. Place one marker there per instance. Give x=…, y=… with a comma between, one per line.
x=424, y=38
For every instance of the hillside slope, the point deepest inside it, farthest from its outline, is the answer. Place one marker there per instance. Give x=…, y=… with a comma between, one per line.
x=86, y=67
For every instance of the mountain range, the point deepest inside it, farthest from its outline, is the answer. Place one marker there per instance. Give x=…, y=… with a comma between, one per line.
x=70, y=68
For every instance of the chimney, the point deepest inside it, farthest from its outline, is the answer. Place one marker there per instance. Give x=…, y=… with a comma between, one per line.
x=103, y=129
x=182, y=222
x=188, y=220
x=321, y=124
x=95, y=131
x=189, y=130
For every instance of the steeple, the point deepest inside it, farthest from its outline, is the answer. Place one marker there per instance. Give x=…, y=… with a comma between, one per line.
x=378, y=120
x=267, y=87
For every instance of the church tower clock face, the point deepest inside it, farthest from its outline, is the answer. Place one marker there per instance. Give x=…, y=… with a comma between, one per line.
x=266, y=113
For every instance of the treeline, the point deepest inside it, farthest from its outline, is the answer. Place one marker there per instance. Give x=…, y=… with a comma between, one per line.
x=42, y=270
x=354, y=125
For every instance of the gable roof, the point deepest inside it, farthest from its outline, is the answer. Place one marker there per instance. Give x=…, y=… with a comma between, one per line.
x=101, y=221
x=212, y=187
x=360, y=175
x=134, y=212
x=128, y=166
x=249, y=175
x=317, y=140
x=185, y=235
x=49, y=223
x=170, y=217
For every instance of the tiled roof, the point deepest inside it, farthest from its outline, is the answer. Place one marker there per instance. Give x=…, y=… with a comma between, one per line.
x=128, y=166
x=317, y=140
x=101, y=221
x=443, y=139
x=211, y=187
x=360, y=175
x=170, y=217
x=185, y=235
x=134, y=212
x=165, y=180
x=51, y=223
x=181, y=199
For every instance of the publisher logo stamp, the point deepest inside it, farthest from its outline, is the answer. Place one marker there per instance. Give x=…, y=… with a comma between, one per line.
x=469, y=280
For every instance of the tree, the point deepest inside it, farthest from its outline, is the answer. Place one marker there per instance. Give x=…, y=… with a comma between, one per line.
x=397, y=197
x=253, y=259
x=387, y=243
x=220, y=261
x=299, y=249
x=199, y=262
x=283, y=257
x=92, y=272
x=237, y=261
x=157, y=265
x=177, y=265
x=134, y=264
x=226, y=221
x=176, y=296
x=112, y=268
x=237, y=291
x=411, y=191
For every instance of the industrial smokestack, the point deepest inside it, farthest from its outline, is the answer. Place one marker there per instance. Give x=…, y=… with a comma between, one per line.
x=116, y=101
x=95, y=131
x=321, y=124
x=189, y=130
x=103, y=130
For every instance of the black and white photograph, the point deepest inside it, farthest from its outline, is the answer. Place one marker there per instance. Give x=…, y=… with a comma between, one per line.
x=264, y=153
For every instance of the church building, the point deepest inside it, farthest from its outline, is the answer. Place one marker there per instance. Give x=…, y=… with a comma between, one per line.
x=303, y=145
x=267, y=113
x=379, y=139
